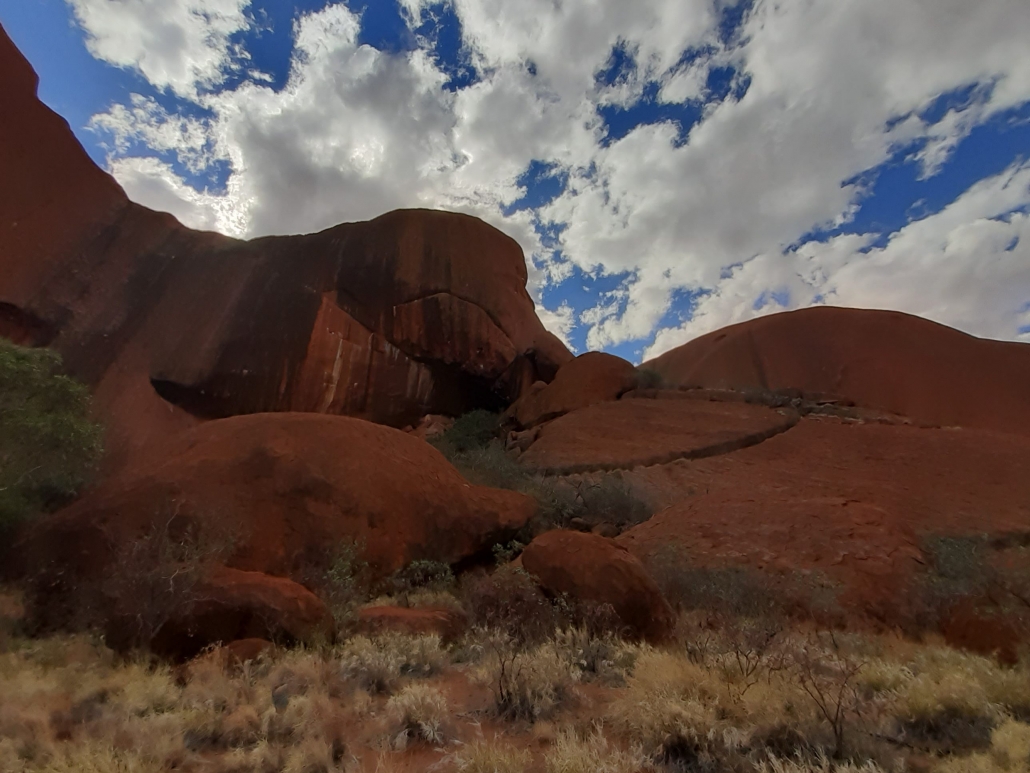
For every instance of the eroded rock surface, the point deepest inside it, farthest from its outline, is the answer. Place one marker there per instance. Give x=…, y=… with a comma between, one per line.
x=845, y=506
x=630, y=433
x=414, y=312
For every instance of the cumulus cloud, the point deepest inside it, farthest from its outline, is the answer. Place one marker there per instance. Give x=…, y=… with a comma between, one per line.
x=175, y=44
x=818, y=93
x=967, y=266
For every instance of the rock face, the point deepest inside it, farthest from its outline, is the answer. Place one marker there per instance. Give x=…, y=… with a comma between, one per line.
x=637, y=432
x=847, y=505
x=275, y=493
x=595, y=569
x=879, y=359
x=412, y=313
x=591, y=378
x=231, y=605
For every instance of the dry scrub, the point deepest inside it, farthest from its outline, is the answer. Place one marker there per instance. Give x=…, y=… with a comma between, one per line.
x=749, y=695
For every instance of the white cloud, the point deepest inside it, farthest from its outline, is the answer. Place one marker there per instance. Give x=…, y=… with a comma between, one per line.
x=836, y=88
x=145, y=121
x=560, y=321
x=967, y=266
x=176, y=44
x=156, y=183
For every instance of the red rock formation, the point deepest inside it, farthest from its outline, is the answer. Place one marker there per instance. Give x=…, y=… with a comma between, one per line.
x=594, y=569
x=283, y=489
x=591, y=378
x=414, y=312
x=631, y=433
x=231, y=605
x=844, y=503
x=879, y=359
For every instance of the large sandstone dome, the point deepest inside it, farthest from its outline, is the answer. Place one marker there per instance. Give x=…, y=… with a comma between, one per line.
x=893, y=362
x=412, y=313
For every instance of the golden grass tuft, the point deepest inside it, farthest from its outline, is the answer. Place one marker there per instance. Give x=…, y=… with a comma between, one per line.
x=491, y=757
x=593, y=754
x=418, y=712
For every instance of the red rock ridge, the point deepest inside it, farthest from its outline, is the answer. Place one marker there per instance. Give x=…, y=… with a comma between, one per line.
x=886, y=360
x=414, y=312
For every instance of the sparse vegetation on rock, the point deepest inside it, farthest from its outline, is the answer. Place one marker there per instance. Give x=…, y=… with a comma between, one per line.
x=49, y=443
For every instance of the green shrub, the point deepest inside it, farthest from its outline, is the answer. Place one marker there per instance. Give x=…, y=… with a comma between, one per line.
x=647, y=378
x=611, y=500
x=470, y=431
x=345, y=583
x=49, y=447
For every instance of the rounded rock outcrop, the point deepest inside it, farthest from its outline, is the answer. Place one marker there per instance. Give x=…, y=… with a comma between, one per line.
x=597, y=570
x=594, y=377
x=277, y=493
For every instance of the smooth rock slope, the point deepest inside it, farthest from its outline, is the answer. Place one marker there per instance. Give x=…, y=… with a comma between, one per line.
x=886, y=360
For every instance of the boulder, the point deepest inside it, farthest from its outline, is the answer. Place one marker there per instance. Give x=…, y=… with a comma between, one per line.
x=277, y=493
x=594, y=569
x=230, y=605
x=591, y=378
x=446, y=622
x=885, y=360
x=414, y=312
x=978, y=628
x=242, y=651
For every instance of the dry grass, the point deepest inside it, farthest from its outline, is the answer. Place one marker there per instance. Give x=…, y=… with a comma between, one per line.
x=528, y=684
x=491, y=757
x=69, y=704
x=378, y=663
x=1009, y=753
x=594, y=754
x=418, y=712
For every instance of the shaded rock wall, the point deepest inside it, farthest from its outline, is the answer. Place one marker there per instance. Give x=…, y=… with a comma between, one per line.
x=414, y=312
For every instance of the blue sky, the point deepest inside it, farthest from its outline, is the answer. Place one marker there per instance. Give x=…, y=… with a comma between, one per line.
x=669, y=166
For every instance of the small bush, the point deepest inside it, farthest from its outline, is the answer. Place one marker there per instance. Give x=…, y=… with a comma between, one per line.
x=510, y=601
x=472, y=446
x=492, y=757
x=527, y=684
x=417, y=712
x=648, y=378
x=420, y=575
x=601, y=657
x=729, y=591
x=612, y=500
x=471, y=431
x=378, y=663
x=49, y=447
x=344, y=583
x=595, y=754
